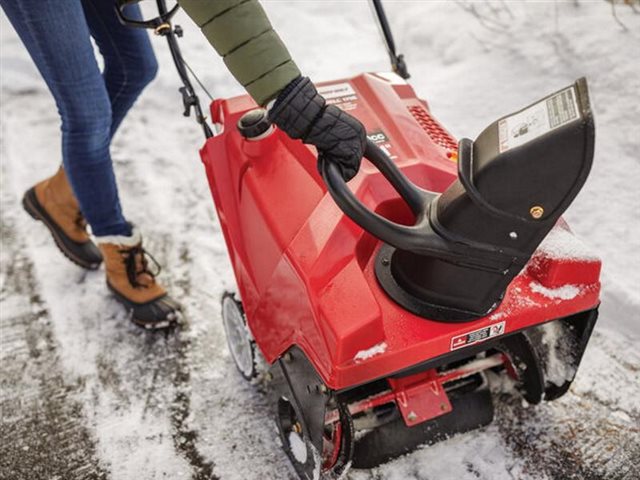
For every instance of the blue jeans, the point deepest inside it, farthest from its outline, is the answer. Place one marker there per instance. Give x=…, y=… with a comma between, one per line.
x=91, y=103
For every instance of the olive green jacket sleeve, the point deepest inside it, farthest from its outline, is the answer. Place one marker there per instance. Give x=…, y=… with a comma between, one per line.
x=241, y=33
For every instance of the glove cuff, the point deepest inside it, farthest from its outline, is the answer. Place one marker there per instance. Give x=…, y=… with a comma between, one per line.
x=297, y=108
x=285, y=92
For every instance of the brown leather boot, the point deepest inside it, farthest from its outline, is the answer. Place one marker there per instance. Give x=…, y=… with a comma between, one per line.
x=52, y=202
x=133, y=283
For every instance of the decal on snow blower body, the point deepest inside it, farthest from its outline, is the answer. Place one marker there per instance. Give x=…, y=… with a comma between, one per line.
x=477, y=336
x=341, y=95
x=382, y=141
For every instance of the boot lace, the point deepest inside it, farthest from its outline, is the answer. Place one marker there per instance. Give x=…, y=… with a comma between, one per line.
x=136, y=264
x=80, y=221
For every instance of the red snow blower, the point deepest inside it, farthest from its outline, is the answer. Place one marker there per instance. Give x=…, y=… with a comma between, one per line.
x=385, y=307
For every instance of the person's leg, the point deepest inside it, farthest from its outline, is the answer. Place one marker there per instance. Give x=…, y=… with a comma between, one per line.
x=57, y=37
x=129, y=61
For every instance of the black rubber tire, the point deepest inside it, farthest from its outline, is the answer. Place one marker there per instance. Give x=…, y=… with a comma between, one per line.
x=286, y=415
x=346, y=447
x=252, y=371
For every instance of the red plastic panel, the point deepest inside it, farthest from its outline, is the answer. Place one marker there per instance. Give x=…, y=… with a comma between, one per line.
x=348, y=313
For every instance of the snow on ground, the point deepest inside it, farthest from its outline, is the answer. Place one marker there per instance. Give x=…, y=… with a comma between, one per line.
x=86, y=395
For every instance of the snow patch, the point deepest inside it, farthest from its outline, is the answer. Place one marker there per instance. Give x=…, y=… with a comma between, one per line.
x=561, y=243
x=499, y=383
x=560, y=367
x=318, y=462
x=520, y=300
x=129, y=454
x=566, y=292
x=371, y=352
x=298, y=447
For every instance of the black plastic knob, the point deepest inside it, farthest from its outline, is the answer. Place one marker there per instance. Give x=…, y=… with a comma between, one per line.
x=254, y=123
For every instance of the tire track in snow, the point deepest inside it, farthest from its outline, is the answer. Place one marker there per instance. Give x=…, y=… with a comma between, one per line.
x=44, y=429
x=185, y=437
x=555, y=441
x=178, y=283
x=122, y=376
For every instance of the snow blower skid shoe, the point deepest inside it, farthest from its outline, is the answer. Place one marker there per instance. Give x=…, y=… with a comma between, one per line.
x=392, y=308
x=52, y=202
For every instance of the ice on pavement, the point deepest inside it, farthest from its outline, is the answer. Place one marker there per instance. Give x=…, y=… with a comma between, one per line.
x=150, y=406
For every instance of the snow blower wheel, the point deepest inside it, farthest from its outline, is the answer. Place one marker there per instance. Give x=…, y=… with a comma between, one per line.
x=524, y=366
x=241, y=344
x=337, y=442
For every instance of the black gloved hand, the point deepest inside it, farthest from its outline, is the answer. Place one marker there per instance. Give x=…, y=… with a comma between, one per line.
x=301, y=112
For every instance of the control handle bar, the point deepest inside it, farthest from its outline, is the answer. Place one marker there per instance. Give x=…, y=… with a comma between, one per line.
x=420, y=238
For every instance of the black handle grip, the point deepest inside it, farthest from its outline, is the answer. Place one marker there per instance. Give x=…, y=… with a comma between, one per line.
x=419, y=238
x=400, y=236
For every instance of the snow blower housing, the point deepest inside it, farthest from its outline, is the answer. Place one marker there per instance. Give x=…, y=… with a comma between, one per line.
x=383, y=306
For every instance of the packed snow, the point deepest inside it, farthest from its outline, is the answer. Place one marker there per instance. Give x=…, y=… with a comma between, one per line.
x=87, y=395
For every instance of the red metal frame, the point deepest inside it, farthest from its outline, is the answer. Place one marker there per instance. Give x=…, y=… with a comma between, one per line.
x=305, y=271
x=423, y=396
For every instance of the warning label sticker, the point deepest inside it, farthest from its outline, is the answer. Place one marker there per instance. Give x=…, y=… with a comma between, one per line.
x=538, y=119
x=477, y=336
x=340, y=94
x=381, y=140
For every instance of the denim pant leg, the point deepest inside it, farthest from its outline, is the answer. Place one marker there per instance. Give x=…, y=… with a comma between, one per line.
x=129, y=61
x=57, y=37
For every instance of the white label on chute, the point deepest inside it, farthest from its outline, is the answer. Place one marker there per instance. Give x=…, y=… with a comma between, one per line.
x=538, y=119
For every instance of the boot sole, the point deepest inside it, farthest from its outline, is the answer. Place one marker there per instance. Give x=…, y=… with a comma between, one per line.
x=164, y=324
x=34, y=209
